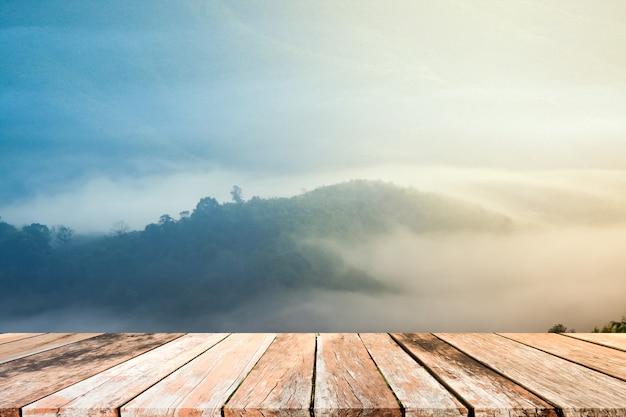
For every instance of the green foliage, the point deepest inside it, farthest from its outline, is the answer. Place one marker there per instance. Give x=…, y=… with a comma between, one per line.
x=612, y=327
x=220, y=256
x=559, y=328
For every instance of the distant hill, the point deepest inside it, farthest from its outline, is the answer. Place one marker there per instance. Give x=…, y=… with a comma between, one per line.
x=220, y=255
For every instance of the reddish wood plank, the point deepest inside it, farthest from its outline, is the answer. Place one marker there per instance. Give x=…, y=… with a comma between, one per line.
x=32, y=345
x=9, y=337
x=104, y=393
x=612, y=340
x=604, y=359
x=420, y=394
x=347, y=382
x=281, y=383
x=576, y=390
x=201, y=387
x=28, y=379
x=489, y=394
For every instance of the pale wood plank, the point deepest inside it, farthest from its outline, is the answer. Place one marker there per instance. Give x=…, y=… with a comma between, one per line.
x=604, y=359
x=612, y=340
x=9, y=337
x=32, y=345
x=104, y=393
x=421, y=395
x=201, y=387
x=281, y=383
x=28, y=379
x=347, y=382
x=576, y=390
x=486, y=392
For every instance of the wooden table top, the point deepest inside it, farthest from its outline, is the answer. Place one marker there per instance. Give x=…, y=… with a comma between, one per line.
x=307, y=374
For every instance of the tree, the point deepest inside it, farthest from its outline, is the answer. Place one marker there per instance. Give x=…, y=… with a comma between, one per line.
x=559, y=328
x=613, y=327
x=63, y=234
x=119, y=228
x=236, y=194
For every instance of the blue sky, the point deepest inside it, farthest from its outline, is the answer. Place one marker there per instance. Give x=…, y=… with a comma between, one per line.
x=124, y=110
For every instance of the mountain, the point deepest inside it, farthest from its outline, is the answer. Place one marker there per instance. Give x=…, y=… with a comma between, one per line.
x=221, y=256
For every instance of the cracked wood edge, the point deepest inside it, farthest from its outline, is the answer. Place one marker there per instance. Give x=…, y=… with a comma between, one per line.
x=347, y=382
x=418, y=391
x=575, y=389
x=29, y=379
x=281, y=383
x=612, y=340
x=201, y=387
x=604, y=359
x=103, y=393
x=37, y=344
x=486, y=392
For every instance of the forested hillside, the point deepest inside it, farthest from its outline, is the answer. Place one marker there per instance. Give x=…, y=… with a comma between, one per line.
x=219, y=255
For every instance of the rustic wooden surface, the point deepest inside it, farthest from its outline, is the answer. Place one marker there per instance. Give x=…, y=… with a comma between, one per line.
x=573, y=388
x=29, y=379
x=604, y=359
x=418, y=391
x=203, y=385
x=614, y=340
x=483, y=390
x=369, y=374
x=281, y=383
x=29, y=346
x=347, y=380
x=9, y=337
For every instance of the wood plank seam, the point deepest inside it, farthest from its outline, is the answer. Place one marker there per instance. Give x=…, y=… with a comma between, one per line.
x=402, y=408
x=592, y=341
x=470, y=409
x=564, y=358
x=312, y=404
x=239, y=385
x=118, y=409
x=557, y=409
x=23, y=338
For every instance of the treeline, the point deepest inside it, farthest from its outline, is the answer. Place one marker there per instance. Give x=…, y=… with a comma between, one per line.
x=610, y=327
x=219, y=255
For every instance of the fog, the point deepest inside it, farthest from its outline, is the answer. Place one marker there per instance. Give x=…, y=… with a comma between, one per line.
x=526, y=280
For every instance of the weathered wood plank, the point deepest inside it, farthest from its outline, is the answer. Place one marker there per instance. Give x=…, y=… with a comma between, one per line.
x=347, y=382
x=576, y=390
x=420, y=394
x=604, y=359
x=32, y=345
x=203, y=385
x=9, y=337
x=281, y=383
x=28, y=379
x=489, y=394
x=612, y=340
x=104, y=393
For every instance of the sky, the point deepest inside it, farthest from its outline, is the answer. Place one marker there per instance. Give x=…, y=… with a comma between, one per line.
x=125, y=110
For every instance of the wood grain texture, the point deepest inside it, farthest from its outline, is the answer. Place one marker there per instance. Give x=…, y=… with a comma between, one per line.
x=604, y=359
x=281, y=383
x=576, y=390
x=9, y=337
x=28, y=379
x=103, y=393
x=32, y=345
x=347, y=382
x=201, y=387
x=612, y=340
x=489, y=394
x=419, y=392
